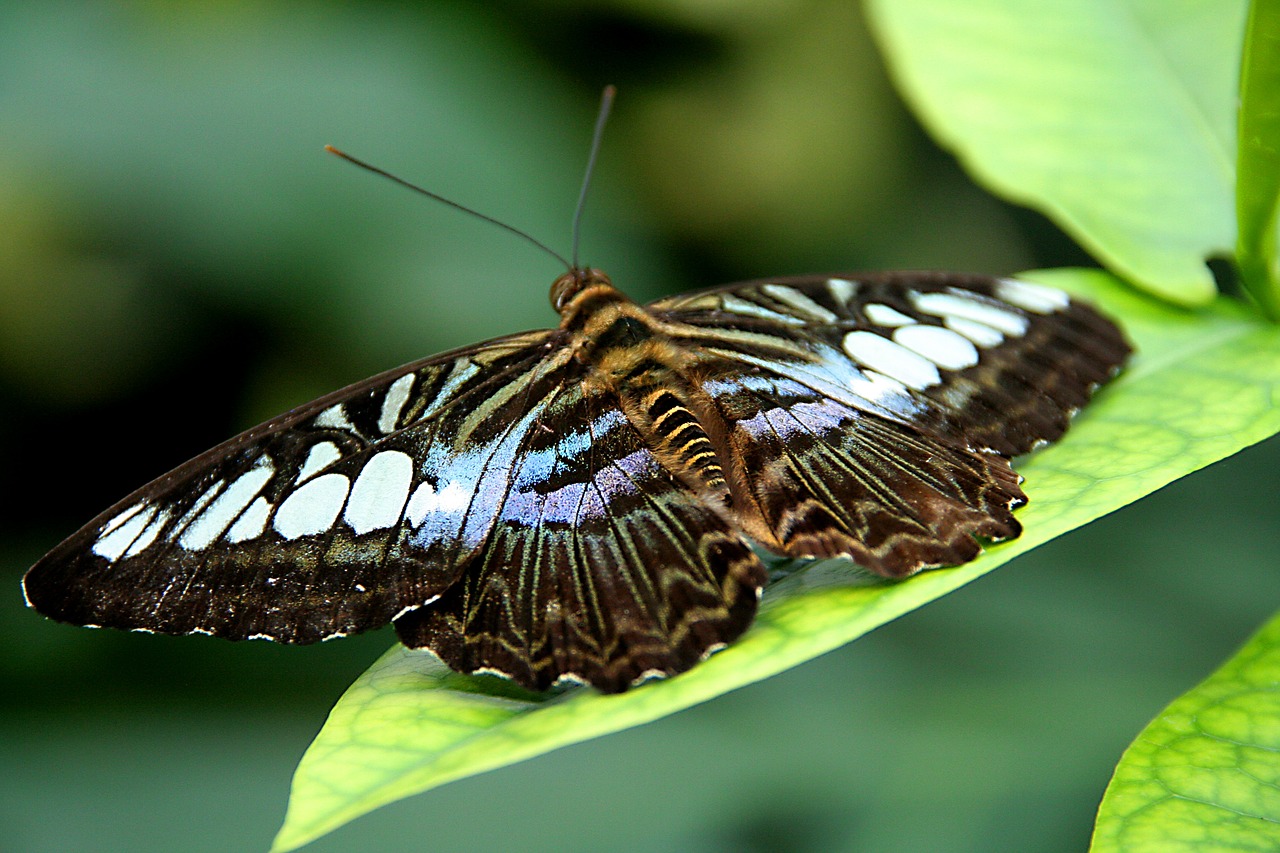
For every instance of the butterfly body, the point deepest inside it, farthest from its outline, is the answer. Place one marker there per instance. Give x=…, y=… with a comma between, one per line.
x=580, y=503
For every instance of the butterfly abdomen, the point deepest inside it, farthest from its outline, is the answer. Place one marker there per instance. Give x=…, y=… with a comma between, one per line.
x=678, y=432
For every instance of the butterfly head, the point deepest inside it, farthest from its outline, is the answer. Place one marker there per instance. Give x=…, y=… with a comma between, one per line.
x=573, y=285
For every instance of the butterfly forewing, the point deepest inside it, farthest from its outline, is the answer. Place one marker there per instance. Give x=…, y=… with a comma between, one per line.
x=328, y=520
x=996, y=364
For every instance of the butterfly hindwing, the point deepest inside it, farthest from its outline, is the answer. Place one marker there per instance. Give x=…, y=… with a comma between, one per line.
x=603, y=566
x=827, y=480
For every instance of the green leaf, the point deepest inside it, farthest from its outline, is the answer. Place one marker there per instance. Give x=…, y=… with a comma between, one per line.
x=1258, y=188
x=1116, y=118
x=1202, y=387
x=1205, y=774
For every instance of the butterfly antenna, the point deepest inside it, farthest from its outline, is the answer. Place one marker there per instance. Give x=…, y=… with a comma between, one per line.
x=455, y=205
x=606, y=104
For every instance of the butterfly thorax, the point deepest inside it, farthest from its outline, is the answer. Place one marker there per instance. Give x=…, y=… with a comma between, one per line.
x=608, y=334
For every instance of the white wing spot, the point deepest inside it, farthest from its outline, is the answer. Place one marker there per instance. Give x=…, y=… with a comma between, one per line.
x=380, y=492
x=196, y=508
x=893, y=360
x=799, y=301
x=413, y=607
x=1033, y=297
x=112, y=545
x=453, y=499
x=736, y=305
x=980, y=333
x=420, y=503
x=252, y=522
x=965, y=305
x=942, y=346
x=149, y=535
x=883, y=315
x=842, y=290
x=313, y=507
x=334, y=417
x=210, y=524
x=877, y=387
x=122, y=518
x=320, y=456
x=393, y=402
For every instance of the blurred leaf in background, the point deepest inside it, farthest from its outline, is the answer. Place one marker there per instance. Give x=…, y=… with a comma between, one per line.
x=1116, y=119
x=1203, y=774
x=178, y=260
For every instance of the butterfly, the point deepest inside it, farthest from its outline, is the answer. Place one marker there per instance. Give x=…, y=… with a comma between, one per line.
x=586, y=503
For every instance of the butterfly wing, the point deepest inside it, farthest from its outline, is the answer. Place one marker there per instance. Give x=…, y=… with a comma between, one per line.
x=873, y=416
x=328, y=520
x=826, y=479
x=999, y=364
x=603, y=566
x=500, y=517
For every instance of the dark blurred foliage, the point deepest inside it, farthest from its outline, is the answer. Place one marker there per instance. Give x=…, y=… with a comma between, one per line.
x=178, y=260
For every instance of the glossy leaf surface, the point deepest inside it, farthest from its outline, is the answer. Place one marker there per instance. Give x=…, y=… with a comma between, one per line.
x=1204, y=774
x=1117, y=120
x=1202, y=387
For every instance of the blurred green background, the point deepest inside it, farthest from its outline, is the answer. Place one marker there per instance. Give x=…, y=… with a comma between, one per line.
x=179, y=260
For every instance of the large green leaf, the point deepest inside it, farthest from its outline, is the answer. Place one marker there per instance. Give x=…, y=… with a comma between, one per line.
x=1203, y=386
x=1205, y=774
x=1258, y=190
x=1114, y=117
